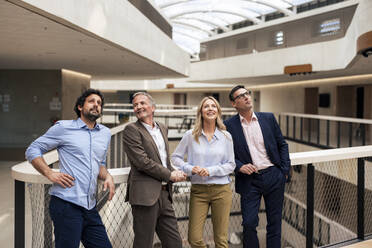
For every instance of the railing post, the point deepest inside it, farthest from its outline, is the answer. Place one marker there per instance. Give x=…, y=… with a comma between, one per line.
x=48, y=231
x=310, y=206
x=287, y=125
x=301, y=128
x=108, y=159
x=327, y=132
x=121, y=149
x=309, y=130
x=338, y=134
x=294, y=127
x=115, y=151
x=361, y=184
x=350, y=134
x=19, y=214
x=318, y=134
x=363, y=127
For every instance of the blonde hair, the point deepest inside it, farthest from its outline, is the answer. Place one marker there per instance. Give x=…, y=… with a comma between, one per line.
x=198, y=128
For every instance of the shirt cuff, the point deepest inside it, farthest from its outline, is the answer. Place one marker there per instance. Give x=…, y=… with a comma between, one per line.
x=211, y=170
x=188, y=169
x=31, y=157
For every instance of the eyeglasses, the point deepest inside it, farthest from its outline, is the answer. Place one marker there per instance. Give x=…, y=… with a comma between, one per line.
x=245, y=94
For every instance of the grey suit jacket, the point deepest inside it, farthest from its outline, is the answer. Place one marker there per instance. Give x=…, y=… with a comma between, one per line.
x=147, y=172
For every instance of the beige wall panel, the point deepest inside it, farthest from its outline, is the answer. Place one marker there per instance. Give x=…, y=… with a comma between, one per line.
x=331, y=89
x=73, y=84
x=282, y=99
x=162, y=98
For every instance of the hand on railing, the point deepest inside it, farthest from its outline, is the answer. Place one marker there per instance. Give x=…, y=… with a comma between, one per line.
x=109, y=183
x=178, y=176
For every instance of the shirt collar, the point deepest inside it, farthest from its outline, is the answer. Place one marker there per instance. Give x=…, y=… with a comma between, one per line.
x=149, y=127
x=82, y=124
x=254, y=118
x=217, y=133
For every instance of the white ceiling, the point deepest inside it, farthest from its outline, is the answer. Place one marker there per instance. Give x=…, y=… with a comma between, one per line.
x=30, y=40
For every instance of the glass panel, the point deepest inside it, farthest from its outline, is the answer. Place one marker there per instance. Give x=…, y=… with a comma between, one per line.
x=216, y=15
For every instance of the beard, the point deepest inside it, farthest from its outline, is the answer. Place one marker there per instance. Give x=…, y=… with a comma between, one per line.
x=90, y=115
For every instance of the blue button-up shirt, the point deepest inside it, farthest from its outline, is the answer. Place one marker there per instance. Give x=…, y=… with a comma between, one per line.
x=216, y=155
x=81, y=153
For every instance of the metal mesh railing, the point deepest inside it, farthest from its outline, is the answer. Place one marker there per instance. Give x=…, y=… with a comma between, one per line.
x=294, y=209
x=323, y=132
x=335, y=203
x=42, y=228
x=368, y=198
x=117, y=217
x=336, y=198
x=335, y=217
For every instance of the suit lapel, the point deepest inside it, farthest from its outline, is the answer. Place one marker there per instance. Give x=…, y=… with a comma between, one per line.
x=241, y=136
x=165, y=138
x=148, y=137
x=264, y=129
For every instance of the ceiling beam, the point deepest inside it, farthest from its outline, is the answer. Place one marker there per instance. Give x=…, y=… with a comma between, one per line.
x=194, y=27
x=231, y=11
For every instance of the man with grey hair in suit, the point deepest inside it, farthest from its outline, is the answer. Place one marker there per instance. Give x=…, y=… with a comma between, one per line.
x=149, y=189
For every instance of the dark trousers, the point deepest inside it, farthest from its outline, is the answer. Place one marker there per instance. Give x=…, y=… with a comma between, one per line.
x=159, y=217
x=73, y=223
x=270, y=185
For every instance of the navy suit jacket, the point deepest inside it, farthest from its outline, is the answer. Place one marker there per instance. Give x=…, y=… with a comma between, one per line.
x=276, y=147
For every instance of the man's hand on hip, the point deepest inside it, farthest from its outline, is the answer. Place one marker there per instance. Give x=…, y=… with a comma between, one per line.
x=63, y=179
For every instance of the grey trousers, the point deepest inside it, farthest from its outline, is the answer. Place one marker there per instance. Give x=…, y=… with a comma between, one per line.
x=159, y=217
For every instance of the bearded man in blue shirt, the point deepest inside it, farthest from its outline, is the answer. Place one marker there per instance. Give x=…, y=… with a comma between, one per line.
x=82, y=147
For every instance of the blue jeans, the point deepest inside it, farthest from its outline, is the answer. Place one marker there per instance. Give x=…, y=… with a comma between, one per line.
x=73, y=223
x=270, y=186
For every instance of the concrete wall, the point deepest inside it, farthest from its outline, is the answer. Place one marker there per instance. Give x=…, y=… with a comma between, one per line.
x=117, y=97
x=193, y=98
x=332, y=90
x=73, y=84
x=38, y=98
x=163, y=98
x=323, y=56
x=282, y=99
x=292, y=99
x=29, y=112
x=299, y=32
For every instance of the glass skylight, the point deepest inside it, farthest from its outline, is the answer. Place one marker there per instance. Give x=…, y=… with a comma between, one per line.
x=196, y=20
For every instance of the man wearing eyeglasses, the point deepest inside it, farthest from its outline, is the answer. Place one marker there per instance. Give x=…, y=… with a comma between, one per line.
x=262, y=167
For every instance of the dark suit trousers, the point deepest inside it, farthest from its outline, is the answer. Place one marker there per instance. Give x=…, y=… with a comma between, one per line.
x=73, y=223
x=160, y=218
x=270, y=185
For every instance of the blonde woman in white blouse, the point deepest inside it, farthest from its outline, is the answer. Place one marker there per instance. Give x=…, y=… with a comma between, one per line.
x=210, y=160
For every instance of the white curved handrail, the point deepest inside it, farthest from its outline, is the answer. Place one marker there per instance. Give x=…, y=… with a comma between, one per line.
x=169, y=112
x=26, y=173
x=328, y=117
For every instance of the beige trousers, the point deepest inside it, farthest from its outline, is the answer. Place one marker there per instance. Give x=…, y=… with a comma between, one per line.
x=219, y=198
